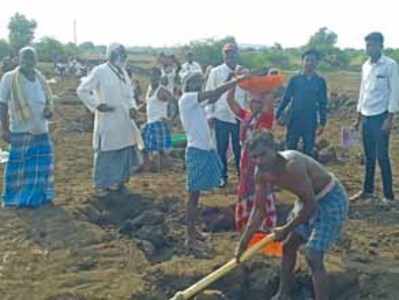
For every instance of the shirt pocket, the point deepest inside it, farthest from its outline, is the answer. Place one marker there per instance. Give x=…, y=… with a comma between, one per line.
x=381, y=81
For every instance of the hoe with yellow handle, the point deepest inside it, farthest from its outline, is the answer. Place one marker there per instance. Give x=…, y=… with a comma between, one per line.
x=223, y=270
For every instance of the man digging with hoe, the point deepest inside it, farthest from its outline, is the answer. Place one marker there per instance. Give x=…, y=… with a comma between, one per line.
x=316, y=220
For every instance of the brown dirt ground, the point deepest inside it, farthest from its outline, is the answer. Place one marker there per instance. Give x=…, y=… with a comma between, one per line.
x=77, y=249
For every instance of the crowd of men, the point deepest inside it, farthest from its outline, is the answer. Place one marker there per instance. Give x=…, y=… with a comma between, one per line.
x=214, y=111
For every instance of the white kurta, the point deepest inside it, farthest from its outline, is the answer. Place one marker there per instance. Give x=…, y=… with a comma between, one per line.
x=112, y=130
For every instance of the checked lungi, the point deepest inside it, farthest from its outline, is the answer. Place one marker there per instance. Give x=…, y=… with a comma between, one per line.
x=204, y=169
x=156, y=136
x=29, y=173
x=325, y=225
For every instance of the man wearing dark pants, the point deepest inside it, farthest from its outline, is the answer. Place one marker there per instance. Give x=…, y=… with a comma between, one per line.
x=378, y=102
x=222, y=120
x=307, y=94
x=223, y=132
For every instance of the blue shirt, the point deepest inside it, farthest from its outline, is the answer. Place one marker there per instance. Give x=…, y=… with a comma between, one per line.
x=308, y=98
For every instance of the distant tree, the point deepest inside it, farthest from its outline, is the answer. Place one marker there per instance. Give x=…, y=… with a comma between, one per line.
x=87, y=47
x=101, y=49
x=4, y=49
x=266, y=58
x=209, y=51
x=50, y=49
x=71, y=50
x=277, y=46
x=21, y=31
x=393, y=53
x=337, y=58
x=323, y=39
x=279, y=58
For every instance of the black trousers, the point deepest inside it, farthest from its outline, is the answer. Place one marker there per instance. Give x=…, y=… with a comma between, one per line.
x=376, y=147
x=306, y=133
x=223, y=132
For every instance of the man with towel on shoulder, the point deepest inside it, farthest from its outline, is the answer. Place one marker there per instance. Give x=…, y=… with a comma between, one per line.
x=26, y=98
x=107, y=92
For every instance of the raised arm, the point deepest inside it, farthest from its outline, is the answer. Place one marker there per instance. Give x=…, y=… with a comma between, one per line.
x=233, y=104
x=214, y=95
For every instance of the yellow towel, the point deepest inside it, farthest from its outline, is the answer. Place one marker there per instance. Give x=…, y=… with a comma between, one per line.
x=19, y=99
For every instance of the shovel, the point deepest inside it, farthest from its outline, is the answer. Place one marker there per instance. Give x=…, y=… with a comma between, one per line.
x=223, y=270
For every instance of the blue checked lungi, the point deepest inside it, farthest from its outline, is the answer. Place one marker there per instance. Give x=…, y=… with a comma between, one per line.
x=157, y=137
x=29, y=173
x=204, y=169
x=324, y=227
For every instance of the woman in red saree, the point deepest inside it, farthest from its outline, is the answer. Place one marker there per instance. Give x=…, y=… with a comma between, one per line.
x=259, y=116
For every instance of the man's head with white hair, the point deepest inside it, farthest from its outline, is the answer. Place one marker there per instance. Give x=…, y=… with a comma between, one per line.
x=116, y=55
x=27, y=59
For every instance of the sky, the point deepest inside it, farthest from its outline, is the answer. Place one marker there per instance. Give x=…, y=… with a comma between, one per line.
x=176, y=22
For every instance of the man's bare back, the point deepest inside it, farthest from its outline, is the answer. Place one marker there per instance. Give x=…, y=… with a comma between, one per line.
x=298, y=168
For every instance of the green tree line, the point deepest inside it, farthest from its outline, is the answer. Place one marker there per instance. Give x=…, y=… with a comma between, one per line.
x=207, y=52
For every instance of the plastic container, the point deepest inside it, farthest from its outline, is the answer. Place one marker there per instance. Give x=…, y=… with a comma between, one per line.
x=272, y=249
x=179, y=140
x=262, y=83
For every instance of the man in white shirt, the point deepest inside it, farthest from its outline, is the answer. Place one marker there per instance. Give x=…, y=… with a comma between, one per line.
x=378, y=103
x=222, y=119
x=169, y=66
x=190, y=66
x=107, y=92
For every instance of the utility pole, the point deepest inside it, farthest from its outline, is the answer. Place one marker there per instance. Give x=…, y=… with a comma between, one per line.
x=75, y=32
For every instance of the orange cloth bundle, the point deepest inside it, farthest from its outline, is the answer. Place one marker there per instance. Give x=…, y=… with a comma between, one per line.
x=272, y=249
x=259, y=84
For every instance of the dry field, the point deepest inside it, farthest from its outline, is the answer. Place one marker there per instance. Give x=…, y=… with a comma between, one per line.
x=131, y=247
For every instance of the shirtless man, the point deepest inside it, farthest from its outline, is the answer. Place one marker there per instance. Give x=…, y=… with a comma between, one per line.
x=316, y=220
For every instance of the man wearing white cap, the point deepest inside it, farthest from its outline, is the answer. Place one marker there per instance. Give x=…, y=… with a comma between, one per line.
x=108, y=93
